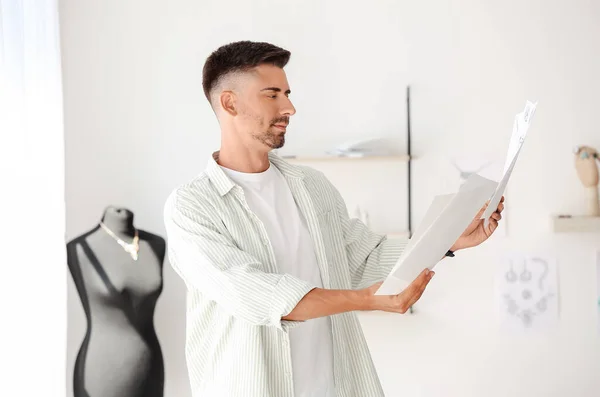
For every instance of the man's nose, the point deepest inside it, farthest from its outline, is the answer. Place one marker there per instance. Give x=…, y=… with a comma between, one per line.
x=288, y=108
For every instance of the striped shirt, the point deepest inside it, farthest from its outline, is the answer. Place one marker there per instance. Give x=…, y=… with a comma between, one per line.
x=236, y=341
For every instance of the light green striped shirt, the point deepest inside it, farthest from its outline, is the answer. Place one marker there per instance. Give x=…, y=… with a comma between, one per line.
x=236, y=341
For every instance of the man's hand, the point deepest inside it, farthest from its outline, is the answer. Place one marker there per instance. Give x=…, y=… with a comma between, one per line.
x=476, y=233
x=321, y=302
x=403, y=301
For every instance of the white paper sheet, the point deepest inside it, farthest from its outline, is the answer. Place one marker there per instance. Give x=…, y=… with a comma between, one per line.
x=435, y=209
x=527, y=293
x=520, y=127
x=485, y=165
x=447, y=217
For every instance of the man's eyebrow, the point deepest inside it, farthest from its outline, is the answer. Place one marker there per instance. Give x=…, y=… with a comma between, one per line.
x=276, y=89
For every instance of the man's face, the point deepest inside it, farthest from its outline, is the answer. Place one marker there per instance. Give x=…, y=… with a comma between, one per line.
x=264, y=107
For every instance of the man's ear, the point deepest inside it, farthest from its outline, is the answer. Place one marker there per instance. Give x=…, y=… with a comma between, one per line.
x=228, y=102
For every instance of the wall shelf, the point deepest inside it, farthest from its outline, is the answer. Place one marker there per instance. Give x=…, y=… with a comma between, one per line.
x=394, y=235
x=302, y=159
x=575, y=224
x=404, y=158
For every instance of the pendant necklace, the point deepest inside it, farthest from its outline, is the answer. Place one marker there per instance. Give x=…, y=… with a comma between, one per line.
x=131, y=248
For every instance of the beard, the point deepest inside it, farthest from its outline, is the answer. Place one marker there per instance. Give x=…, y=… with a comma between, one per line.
x=272, y=137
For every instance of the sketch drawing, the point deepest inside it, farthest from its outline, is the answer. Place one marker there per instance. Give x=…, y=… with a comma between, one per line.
x=527, y=293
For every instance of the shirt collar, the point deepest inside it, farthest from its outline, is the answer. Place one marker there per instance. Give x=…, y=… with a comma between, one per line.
x=224, y=184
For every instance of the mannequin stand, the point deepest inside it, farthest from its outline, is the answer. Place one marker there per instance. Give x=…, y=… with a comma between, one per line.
x=118, y=284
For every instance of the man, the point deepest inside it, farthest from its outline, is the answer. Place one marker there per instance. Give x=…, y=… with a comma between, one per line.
x=274, y=267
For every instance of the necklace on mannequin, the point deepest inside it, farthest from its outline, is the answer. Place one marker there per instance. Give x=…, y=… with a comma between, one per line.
x=131, y=248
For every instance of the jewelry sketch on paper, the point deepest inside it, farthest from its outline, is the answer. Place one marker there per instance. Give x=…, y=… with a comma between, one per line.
x=527, y=292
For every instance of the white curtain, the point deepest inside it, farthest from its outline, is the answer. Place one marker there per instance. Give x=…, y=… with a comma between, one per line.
x=33, y=272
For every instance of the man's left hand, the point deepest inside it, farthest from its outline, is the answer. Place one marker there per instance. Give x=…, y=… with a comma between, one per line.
x=476, y=233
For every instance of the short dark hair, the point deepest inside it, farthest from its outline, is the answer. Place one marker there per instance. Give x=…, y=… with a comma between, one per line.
x=240, y=56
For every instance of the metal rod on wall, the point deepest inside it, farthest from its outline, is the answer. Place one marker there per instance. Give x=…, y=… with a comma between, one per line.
x=408, y=149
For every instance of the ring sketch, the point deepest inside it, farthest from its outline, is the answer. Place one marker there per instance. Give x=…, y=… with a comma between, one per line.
x=527, y=292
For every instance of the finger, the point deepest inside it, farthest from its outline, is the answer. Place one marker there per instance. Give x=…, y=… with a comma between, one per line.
x=416, y=284
x=500, y=207
x=414, y=287
x=487, y=203
x=492, y=225
x=428, y=274
x=496, y=216
x=422, y=276
x=483, y=208
x=416, y=295
x=420, y=283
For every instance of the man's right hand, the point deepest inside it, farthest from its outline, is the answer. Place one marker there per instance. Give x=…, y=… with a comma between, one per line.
x=321, y=302
x=403, y=301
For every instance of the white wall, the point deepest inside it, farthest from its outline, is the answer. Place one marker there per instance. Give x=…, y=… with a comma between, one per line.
x=137, y=125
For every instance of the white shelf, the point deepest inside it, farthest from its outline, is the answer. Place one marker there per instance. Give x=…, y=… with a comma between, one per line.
x=398, y=235
x=303, y=159
x=576, y=224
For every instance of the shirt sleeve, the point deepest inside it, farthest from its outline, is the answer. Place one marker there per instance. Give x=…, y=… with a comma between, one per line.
x=371, y=256
x=207, y=260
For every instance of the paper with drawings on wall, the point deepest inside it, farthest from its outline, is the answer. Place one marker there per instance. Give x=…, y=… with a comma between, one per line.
x=447, y=217
x=520, y=127
x=527, y=292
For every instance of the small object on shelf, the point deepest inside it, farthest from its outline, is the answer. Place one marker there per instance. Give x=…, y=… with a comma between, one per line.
x=349, y=154
x=363, y=148
x=587, y=171
x=328, y=157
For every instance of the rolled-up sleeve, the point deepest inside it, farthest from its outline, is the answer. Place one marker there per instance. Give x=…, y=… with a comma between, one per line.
x=208, y=261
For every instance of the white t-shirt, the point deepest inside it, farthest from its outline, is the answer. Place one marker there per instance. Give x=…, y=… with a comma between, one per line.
x=270, y=198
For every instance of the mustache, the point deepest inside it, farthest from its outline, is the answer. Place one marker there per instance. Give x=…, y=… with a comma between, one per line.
x=280, y=120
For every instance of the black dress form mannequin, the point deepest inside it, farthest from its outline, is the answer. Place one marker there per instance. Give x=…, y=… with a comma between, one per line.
x=120, y=355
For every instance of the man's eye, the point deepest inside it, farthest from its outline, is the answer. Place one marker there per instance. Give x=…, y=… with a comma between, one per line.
x=273, y=96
